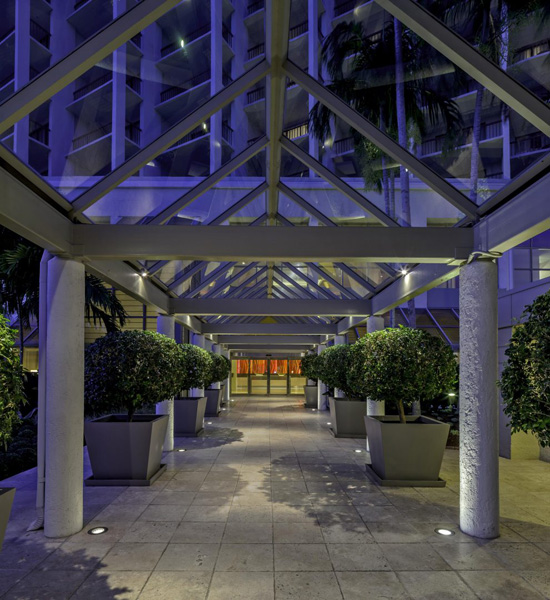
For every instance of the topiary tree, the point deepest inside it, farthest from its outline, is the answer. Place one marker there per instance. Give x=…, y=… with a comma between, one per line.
x=220, y=367
x=11, y=382
x=310, y=366
x=195, y=367
x=127, y=370
x=333, y=368
x=401, y=366
x=525, y=379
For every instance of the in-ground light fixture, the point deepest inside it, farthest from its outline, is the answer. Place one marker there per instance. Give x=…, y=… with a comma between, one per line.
x=97, y=530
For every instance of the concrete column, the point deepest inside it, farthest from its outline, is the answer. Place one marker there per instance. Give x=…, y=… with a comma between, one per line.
x=218, y=384
x=479, y=493
x=227, y=394
x=166, y=324
x=118, y=135
x=64, y=397
x=216, y=53
x=21, y=73
x=339, y=339
x=375, y=408
x=313, y=65
x=197, y=340
x=322, y=401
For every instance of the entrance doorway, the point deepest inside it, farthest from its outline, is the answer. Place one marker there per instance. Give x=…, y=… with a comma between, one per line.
x=267, y=377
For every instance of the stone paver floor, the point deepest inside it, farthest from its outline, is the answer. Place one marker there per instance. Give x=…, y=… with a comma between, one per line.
x=268, y=505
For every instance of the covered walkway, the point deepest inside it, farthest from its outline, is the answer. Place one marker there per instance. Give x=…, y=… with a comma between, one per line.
x=269, y=505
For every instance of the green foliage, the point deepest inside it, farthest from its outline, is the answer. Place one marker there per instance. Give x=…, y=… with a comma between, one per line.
x=401, y=366
x=195, y=367
x=11, y=382
x=20, y=454
x=525, y=380
x=102, y=305
x=220, y=367
x=310, y=366
x=127, y=370
x=334, y=366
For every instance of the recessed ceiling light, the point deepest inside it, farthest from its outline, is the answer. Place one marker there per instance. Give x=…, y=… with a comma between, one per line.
x=403, y=271
x=443, y=531
x=181, y=450
x=144, y=273
x=97, y=530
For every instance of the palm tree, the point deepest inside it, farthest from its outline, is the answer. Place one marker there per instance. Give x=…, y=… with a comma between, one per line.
x=19, y=288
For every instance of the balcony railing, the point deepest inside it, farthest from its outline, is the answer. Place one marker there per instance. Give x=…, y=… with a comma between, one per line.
x=297, y=131
x=133, y=132
x=92, y=136
x=40, y=133
x=33, y=72
x=41, y=35
x=173, y=46
x=227, y=36
x=530, y=143
x=255, y=95
x=137, y=39
x=198, y=132
x=226, y=78
x=297, y=30
x=488, y=131
x=7, y=34
x=344, y=7
x=80, y=3
x=93, y=85
x=134, y=83
x=255, y=51
x=532, y=50
x=290, y=82
x=344, y=145
x=227, y=132
x=176, y=90
x=7, y=80
x=255, y=7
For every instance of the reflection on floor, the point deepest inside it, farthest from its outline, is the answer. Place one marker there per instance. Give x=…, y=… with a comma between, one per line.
x=269, y=505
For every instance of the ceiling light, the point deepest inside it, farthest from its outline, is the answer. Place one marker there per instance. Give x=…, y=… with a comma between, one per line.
x=182, y=43
x=403, y=271
x=97, y=530
x=144, y=273
x=204, y=126
x=443, y=531
x=151, y=163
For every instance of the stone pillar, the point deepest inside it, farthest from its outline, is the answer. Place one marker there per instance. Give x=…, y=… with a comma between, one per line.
x=375, y=408
x=322, y=401
x=479, y=493
x=197, y=340
x=218, y=384
x=227, y=393
x=166, y=324
x=64, y=398
x=339, y=339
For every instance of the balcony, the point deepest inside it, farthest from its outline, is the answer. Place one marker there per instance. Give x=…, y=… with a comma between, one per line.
x=6, y=35
x=198, y=132
x=343, y=146
x=297, y=131
x=255, y=95
x=532, y=50
x=40, y=133
x=226, y=78
x=535, y=142
x=343, y=7
x=93, y=85
x=137, y=39
x=255, y=51
x=177, y=90
x=194, y=35
x=41, y=35
x=134, y=83
x=227, y=133
x=92, y=136
x=227, y=36
x=298, y=30
x=255, y=7
x=488, y=131
x=133, y=132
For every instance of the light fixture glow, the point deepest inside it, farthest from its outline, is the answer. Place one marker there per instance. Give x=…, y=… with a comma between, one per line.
x=182, y=43
x=151, y=163
x=403, y=271
x=313, y=410
x=357, y=450
x=452, y=394
x=443, y=531
x=204, y=126
x=97, y=530
x=329, y=423
x=144, y=273
x=181, y=450
x=209, y=422
x=223, y=408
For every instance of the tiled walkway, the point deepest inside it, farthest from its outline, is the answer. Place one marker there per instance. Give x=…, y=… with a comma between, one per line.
x=269, y=505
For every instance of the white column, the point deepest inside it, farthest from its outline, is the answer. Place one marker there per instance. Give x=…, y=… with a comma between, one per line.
x=216, y=61
x=197, y=340
x=339, y=339
x=218, y=384
x=227, y=394
x=166, y=324
x=21, y=73
x=479, y=493
x=322, y=401
x=64, y=398
x=118, y=118
x=375, y=408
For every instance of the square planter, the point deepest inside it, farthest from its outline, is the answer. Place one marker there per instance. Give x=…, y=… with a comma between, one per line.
x=123, y=453
x=406, y=454
x=348, y=417
x=310, y=392
x=189, y=416
x=6, y=500
x=213, y=402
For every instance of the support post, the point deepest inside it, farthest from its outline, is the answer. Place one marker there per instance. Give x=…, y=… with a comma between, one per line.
x=322, y=400
x=217, y=384
x=339, y=339
x=64, y=398
x=166, y=324
x=197, y=339
x=375, y=408
x=227, y=393
x=479, y=483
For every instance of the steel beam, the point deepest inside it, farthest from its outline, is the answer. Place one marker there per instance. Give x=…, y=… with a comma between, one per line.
x=235, y=208
x=471, y=61
x=225, y=283
x=295, y=285
x=382, y=140
x=243, y=285
x=309, y=208
x=343, y=290
x=214, y=275
x=325, y=292
x=269, y=340
x=268, y=329
x=292, y=244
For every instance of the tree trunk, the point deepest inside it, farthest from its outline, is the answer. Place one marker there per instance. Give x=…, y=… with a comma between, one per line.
x=401, y=410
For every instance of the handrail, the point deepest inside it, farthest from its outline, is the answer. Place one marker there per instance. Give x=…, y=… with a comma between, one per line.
x=92, y=136
x=176, y=90
x=173, y=46
x=93, y=85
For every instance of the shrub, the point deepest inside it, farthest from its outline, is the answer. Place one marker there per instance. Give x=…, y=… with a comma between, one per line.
x=220, y=367
x=127, y=370
x=525, y=380
x=11, y=382
x=309, y=366
x=401, y=366
x=333, y=368
x=195, y=367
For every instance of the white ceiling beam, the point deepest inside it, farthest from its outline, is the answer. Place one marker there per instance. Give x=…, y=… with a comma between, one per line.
x=269, y=340
x=382, y=140
x=225, y=283
x=470, y=60
x=268, y=329
x=343, y=290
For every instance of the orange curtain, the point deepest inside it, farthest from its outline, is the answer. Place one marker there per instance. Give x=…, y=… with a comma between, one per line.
x=258, y=367
x=295, y=367
x=242, y=367
x=279, y=366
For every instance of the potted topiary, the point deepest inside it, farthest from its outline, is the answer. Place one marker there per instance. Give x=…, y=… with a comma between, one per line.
x=11, y=398
x=219, y=370
x=308, y=367
x=525, y=382
x=400, y=367
x=127, y=371
x=194, y=371
x=347, y=412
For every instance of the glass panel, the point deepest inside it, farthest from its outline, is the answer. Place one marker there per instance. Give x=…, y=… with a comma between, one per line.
x=239, y=376
x=278, y=376
x=297, y=380
x=258, y=376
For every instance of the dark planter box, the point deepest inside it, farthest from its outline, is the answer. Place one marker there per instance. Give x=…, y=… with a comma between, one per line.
x=189, y=416
x=406, y=454
x=213, y=402
x=6, y=500
x=125, y=452
x=310, y=392
x=348, y=417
